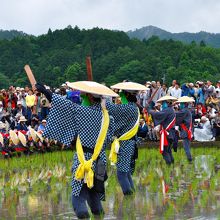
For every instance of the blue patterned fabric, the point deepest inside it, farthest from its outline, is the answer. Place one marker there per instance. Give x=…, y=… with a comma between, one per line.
x=61, y=123
x=67, y=120
x=125, y=116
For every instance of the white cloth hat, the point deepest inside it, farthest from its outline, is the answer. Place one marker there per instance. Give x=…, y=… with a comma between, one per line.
x=204, y=118
x=22, y=118
x=2, y=125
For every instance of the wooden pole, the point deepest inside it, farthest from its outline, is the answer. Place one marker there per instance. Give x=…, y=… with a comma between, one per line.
x=30, y=76
x=89, y=68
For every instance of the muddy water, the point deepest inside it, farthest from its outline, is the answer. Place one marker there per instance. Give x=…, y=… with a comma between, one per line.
x=176, y=200
x=144, y=205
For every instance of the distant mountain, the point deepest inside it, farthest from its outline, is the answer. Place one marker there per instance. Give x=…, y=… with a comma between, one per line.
x=210, y=39
x=9, y=35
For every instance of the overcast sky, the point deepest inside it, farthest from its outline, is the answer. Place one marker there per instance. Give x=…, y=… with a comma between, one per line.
x=37, y=16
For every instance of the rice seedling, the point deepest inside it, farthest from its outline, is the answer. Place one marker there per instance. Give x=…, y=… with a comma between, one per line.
x=42, y=184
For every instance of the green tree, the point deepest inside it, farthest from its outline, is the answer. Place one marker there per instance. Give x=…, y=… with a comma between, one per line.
x=74, y=73
x=134, y=71
x=4, y=81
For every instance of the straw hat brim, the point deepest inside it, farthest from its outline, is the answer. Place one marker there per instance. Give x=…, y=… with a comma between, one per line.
x=40, y=136
x=22, y=138
x=33, y=134
x=1, y=139
x=14, y=137
x=92, y=88
x=129, y=86
x=167, y=98
x=185, y=99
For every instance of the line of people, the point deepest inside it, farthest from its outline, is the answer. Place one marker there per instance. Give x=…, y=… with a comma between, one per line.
x=23, y=141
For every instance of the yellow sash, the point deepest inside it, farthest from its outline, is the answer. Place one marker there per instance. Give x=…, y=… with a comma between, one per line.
x=116, y=145
x=84, y=169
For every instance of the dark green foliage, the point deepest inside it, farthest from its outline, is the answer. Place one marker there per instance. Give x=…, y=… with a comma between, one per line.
x=59, y=56
x=11, y=34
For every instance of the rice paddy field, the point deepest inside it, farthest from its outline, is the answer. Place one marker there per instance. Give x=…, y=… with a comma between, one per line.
x=38, y=187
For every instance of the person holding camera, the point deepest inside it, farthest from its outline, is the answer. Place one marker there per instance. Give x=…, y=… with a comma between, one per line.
x=211, y=112
x=200, y=111
x=20, y=109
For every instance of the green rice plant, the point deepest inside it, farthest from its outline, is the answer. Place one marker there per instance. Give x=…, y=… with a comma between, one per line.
x=49, y=176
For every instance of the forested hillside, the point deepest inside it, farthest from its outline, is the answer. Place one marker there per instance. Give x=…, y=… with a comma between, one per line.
x=9, y=35
x=147, y=32
x=59, y=56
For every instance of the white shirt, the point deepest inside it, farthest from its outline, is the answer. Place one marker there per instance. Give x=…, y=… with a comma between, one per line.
x=176, y=92
x=169, y=90
x=217, y=91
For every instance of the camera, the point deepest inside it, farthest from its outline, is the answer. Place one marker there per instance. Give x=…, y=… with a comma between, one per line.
x=44, y=102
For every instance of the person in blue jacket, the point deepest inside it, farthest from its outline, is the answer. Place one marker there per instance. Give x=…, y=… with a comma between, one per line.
x=166, y=118
x=184, y=121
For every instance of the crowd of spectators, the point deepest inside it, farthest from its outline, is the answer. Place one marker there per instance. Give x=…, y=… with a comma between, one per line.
x=23, y=107
x=205, y=110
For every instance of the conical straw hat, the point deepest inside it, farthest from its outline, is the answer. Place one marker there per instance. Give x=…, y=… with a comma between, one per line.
x=1, y=139
x=132, y=86
x=185, y=99
x=22, y=138
x=167, y=98
x=93, y=88
x=39, y=135
x=14, y=137
x=33, y=134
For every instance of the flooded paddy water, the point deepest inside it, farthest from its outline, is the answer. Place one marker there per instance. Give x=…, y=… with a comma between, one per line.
x=38, y=187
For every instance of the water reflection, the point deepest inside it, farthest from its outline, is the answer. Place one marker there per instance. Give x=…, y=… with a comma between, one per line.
x=186, y=197
x=144, y=205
